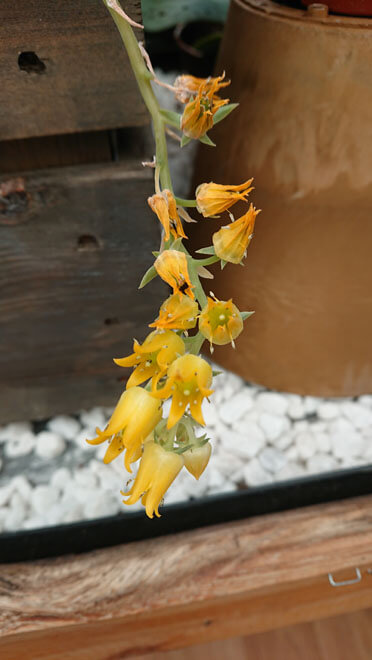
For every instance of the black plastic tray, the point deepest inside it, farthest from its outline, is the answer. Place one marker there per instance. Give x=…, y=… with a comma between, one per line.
x=126, y=528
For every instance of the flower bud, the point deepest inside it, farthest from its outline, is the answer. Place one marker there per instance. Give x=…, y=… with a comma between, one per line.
x=197, y=459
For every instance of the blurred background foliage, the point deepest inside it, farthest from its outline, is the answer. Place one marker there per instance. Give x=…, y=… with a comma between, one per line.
x=184, y=35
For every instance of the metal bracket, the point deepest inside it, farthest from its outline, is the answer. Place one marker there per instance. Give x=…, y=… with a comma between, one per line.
x=345, y=583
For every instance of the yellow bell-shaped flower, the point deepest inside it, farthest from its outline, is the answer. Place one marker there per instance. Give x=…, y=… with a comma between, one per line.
x=164, y=205
x=171, y=266
x=213, y=198
x=231, y=242
x=220, y=322
x=153, y=357
x=188, y=381
x=197, y=459
x=158, y=469
x=198, y=114
x=134, y=418
x=178, y=313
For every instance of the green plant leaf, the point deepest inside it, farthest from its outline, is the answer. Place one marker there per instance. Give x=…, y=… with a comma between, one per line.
x=206, y=250
x=246, y=315
x=172, y=118
x=185, y=140
x=148, y=276
x=206, y=140
x=223, y=112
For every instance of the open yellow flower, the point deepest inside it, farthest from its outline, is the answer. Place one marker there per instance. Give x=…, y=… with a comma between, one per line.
x=197, y=459
x=164, y=205
x=134, y=418
x=153, y=357
x=188, y=381
x=220, y=322
x=187, y=86
x=213, y=198
x=230, y=242
x=158, y=469
x=177, y=314
x=197, y=116
x=171, y=266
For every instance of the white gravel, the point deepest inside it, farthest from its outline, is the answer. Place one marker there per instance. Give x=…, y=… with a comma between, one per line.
x=259, y=437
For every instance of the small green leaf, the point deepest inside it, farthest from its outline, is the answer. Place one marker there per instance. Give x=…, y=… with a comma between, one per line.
x=223, y=112
x=206, y=140
x=246, y=315
x=216, y=373
x=148, y=276
x=223, y=264
x=206, y=250
x=185, y=140
x=172, y=118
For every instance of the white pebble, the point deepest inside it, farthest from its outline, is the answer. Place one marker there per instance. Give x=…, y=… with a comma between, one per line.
x=358, y=415
x=215, y=479
x=93, y=418
x=12, y=431
x=22, y=486
x=366, y=400
x=226, y=462
x=81, y=439
x=272, y=425
x=305, y=444
x=210, y=414
x=290, y=471
x=323, y=442
x=296, y=407
x=311, y=404
x=21, y=445
x=328, y=410
x=86, y=478
x=60, y=478
x=272, y=459
x=255, y=475
x=321, y=463
x=65, y=426
x=242, y=445
x=101, y=505
x=35, y=522
x=250, y=428
x=49, y=445
x=346, y=445
x=272, y=402
x=292, y=453
x=17, y=513
x=5, y=494
x=236, y=407
x=42, y=498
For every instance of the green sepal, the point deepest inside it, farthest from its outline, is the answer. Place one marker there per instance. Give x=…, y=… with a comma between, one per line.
x=148, y=276
x=223, y=112
x=185, y=140
x=246, y=315
x=216, y=373
x=207, y=250
x=223, y=264
x=172, y=118
x=206, y=140
x=156, y=253
x=181, y=450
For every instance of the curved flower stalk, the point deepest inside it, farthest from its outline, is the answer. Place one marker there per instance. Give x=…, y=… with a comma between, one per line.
x=168, y=359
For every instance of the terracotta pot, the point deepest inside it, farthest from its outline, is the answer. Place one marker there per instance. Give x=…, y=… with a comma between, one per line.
x=304, y=131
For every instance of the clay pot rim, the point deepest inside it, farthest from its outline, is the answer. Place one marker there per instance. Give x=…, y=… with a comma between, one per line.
x=282, y=12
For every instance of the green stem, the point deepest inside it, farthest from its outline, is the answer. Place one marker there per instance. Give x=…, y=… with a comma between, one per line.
x=186, y=202
x=208, y=261
x=143, y=77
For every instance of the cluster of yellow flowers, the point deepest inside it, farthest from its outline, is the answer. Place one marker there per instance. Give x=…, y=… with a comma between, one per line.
x=167, y=364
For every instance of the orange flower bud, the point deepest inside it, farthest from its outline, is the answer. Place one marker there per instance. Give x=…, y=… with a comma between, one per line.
x=230, y=242
x=177, y=313
x=213, y=198
x=153, y=357
x=158, y=469
x=188, y=381
x=197, y=459
x=197, y=116
x=171, y=266
x=220, y=322
x=164, y=205
x=187, y=86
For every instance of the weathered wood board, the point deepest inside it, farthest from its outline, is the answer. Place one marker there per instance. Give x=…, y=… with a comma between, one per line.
x=239, y=578
x=74, y=244
x=64, y=69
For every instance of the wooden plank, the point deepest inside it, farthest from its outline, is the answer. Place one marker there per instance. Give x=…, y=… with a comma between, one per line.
x=242, y=577
x=74, y=244
x=83, y=82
